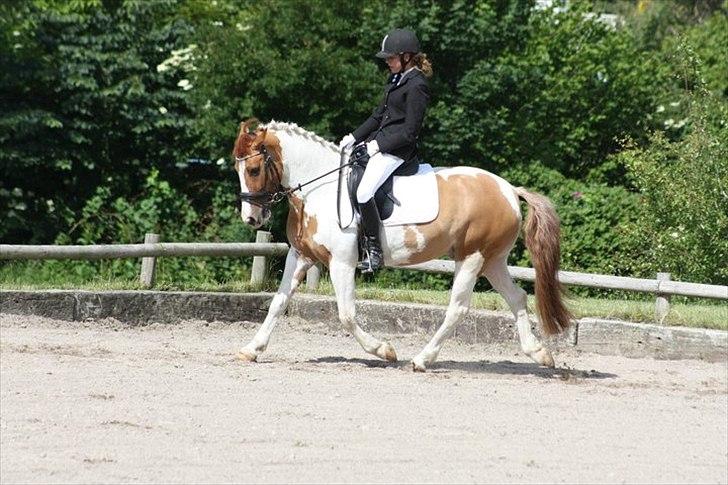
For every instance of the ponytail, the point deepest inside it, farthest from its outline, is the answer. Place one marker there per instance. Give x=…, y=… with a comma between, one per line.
x=423, y=64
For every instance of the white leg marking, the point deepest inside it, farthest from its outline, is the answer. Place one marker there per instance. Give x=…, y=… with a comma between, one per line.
x=497, y=274
x=466, y=274
x=296, y=267
x=342, y=277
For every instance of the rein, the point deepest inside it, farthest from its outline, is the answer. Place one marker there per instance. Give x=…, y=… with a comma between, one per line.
x=266, y=198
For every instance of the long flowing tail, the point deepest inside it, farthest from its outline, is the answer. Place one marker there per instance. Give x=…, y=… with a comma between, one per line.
x=543, y=240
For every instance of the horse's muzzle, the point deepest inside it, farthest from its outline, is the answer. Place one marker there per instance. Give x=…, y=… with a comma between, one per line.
x=257, y=220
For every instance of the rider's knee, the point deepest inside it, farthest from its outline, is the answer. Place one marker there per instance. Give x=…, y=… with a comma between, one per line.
x=364, y=193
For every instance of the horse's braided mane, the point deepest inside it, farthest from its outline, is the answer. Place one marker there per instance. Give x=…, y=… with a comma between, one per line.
x=294, y=129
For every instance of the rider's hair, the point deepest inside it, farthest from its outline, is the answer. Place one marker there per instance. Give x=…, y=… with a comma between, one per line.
x=423, y=63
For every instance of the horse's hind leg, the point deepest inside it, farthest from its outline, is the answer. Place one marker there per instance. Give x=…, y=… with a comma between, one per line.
x=342, y=277
x=466, y=274
x=296, y=267
x=497, y=273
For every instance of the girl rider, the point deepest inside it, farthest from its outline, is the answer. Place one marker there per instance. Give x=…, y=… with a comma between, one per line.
x=391, y=132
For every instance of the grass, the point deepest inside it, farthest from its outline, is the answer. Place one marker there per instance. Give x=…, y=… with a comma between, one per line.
x=702, y=315
x=705, y=314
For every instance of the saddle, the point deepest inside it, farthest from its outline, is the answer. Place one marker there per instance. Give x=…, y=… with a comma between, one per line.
x=384, y=197
x=401, y=200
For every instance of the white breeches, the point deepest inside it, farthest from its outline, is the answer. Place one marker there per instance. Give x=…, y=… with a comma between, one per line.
x=380, y=166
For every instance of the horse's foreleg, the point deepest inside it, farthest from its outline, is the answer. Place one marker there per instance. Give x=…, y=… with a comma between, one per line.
x=500, y=279
x=296, y=267
x=342, y=277
x=466, y=274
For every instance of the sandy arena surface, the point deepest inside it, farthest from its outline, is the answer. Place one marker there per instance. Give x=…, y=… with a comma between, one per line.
x=102, y=402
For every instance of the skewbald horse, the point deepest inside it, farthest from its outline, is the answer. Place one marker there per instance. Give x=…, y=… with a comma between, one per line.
x=477, y=225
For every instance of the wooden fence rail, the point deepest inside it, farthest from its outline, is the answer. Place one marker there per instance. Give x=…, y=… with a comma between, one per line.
x=117, y=251
x=662, y=287
x=152, y=249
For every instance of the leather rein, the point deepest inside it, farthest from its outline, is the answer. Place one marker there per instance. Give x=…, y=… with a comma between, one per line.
x=265, y=198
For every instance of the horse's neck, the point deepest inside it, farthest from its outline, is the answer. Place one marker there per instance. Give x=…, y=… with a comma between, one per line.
x=305, y=160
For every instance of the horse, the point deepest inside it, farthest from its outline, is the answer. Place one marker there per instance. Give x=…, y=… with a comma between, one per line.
x=477, y=225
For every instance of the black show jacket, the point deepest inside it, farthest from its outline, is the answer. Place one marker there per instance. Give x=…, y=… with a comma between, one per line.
x=397, y=120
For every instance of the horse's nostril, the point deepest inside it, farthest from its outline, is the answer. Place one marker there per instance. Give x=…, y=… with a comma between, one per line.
x=251, y=221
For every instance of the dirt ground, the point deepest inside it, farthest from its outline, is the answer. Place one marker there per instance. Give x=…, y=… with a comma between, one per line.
x=103, y=402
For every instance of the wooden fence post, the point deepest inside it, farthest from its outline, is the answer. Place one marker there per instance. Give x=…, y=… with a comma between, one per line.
x=149, y=264
x=259, y=271
x=662, y=303
x=312, y=277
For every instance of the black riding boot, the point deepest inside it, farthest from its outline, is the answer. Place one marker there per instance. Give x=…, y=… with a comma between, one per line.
x=373, y=258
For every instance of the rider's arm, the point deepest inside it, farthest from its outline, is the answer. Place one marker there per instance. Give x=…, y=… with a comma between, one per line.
x=371, y=124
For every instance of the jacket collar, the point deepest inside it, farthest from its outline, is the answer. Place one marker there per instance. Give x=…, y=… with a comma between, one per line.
x=405, y=77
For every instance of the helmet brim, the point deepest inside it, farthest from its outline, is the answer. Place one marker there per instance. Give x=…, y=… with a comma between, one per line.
x=384, y=55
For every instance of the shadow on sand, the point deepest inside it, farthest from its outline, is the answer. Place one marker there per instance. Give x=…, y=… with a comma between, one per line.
x=503, y=367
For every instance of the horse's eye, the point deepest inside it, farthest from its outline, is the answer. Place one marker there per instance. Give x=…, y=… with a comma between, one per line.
x=254, y=171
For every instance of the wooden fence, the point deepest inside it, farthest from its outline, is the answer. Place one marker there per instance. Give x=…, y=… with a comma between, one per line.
x=663, y=287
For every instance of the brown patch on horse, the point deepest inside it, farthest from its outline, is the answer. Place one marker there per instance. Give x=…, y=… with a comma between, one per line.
x=300, y=229
x=484, y=221
x=410, y=238
x=257, y=178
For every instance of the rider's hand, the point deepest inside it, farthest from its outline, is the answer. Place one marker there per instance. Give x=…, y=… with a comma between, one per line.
x=372, y=148
x=347, y=142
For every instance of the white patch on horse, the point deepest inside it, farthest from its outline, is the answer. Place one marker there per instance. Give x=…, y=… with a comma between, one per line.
x=420, y=238
x=246, y=209
x=393, y=246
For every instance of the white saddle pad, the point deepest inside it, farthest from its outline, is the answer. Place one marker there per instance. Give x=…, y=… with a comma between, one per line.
x=417, y=195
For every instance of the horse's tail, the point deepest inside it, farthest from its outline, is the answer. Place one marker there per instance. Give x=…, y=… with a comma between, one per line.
x=543, y=239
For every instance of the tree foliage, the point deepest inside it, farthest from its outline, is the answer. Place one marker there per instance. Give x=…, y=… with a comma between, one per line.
x=119, y=115
x=85, y=105
x=683, y=183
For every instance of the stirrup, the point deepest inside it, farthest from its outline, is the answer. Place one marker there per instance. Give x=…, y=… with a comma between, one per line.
x=365, y=266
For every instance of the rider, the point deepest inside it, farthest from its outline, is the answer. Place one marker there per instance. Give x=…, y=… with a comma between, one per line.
x=391, y=132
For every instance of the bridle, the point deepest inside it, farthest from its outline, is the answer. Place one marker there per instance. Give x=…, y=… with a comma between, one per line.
x=266, y=198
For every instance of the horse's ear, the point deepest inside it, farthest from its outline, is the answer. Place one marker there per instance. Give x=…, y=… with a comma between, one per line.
x=249, y=127
x=245, y=138
x=260, y=134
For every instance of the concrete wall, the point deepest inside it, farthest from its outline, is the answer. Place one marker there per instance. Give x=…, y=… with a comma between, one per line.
x=481, y=326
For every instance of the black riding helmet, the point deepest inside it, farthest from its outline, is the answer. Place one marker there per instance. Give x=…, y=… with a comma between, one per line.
x=399, y=41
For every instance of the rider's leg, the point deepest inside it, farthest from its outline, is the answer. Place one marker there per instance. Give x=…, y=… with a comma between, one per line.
x=371, y=224
x=379, y=168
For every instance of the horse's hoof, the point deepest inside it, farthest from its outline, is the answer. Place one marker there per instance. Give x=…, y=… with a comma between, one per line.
x=247, y=356
x=418, y=367
x=386, y=352
x=543, y=357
